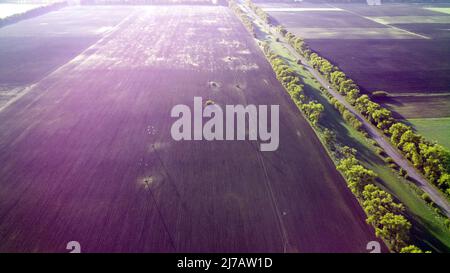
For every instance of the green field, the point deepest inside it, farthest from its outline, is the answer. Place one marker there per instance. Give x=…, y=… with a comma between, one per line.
x=436, y=129
x=443, y=10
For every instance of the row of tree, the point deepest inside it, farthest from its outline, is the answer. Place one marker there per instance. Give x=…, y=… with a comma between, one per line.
x=292, y=83
x=431, y=159
x=384, y=1
x=347, y=115
x=428, y=157
x=242, y=16
x=258, y=11
x=385, y=215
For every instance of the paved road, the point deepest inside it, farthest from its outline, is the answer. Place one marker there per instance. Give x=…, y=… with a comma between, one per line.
x=374, y=133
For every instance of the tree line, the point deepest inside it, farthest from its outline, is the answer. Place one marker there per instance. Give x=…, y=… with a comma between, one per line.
x=347, y=115
x=258, y=11
x=383, y=213
x=242, y=16
x=292, y=83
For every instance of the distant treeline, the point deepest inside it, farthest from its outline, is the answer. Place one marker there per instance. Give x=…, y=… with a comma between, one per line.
x=31, y=13
x=382, y=1
x=31, y=2
x=153, y=2
x=353, y=1
x=242, y=16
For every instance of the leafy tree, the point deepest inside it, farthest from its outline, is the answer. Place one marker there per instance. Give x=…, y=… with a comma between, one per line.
x=396, y=131
x=347, y=163
x=337, y=77
x=411, y=152
x=409, y=137
x=394, y=229
x=346, y=85
x=377, y=203
x=435, y=166
x=313, y=110
x=357, y=176
x=411, y=249
x=444, y=182
x=281, y=30
x=329, y=137
x=326, y=67
x=353, y=95
x=361, y=104
x=383, y=118
x=348, y=152
x=296, y=92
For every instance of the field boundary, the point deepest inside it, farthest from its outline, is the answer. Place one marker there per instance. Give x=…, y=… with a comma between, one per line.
x=31, y=13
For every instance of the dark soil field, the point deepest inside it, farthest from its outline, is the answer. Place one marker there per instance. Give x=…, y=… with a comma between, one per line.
x=31, y=49
x=396, y=48
x=418, y=106
x=392, y=65
x=87, y=153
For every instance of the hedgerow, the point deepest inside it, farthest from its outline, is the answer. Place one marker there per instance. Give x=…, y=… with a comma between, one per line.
x=242, y=16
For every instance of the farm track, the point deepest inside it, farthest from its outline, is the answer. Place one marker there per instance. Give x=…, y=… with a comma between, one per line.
x=373, y=132
x=87, y=153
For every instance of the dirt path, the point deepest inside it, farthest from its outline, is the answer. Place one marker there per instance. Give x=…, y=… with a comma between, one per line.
x=374, y=133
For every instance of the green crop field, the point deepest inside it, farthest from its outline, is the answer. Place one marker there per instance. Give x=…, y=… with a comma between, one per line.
x=437, y=129
x=443, y=10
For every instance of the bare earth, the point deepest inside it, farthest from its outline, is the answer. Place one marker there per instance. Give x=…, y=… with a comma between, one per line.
x=87, y=153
